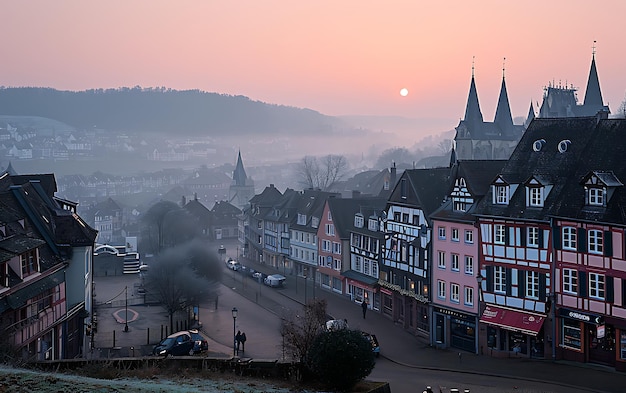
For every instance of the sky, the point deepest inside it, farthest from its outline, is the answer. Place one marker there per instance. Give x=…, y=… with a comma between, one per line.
x=338, y=57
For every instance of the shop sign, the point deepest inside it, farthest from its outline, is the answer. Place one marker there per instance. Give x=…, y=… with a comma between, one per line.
x=580, y=316
x=453, y=314
x=600, y=331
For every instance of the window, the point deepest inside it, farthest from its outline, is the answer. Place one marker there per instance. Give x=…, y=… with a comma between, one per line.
x=29, y=263
x=596, y=285
x=454, y=293
x=595, y=241
x=336, y=248
x=469, y=264
x=469, y=236
x=442, y=233
x=455, y=262
x=532, y=238
x=326, y=245
x=502, y=195
x=337, y=264
x=329, y=216
x=498, y=237
x=455, y=234
x=499, y=279
x=596, y=196
x=459, y=206
x=330, y=230
x=301, y=219
x=570, y=281
x=441, y=260
x=358, y=221
x=569, y=238
x=441, y=289
x=403, y=189
x=372, y=224
x=469, y=296
x=532, y=284
x=405, y=218
x=535, y=196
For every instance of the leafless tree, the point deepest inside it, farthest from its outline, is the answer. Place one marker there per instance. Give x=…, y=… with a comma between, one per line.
x=183, y=276
x=165, y=224
x=445, y=146
x=323, y=173
x=300, y=330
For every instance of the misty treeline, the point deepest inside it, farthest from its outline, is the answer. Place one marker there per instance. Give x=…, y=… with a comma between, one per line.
x=322, y=173
x=184, y=271
x=187, y=112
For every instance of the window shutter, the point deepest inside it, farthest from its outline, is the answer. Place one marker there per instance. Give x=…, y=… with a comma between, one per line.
x=521, y=282
x=608, y=243
x=508, y=275
x=489, y=273
x=507, y=236
x=582, y=240
x=522, y=236
x=542, y=286
x=557, y=235
x=540, y=242
x=582, y=284
x=623, y=291
x=610, y=289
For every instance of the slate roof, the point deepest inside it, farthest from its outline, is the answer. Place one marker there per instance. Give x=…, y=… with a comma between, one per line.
x=604, y=157
x=311, y=204
x=343, y=211
x=584, y=138
x=429, y=188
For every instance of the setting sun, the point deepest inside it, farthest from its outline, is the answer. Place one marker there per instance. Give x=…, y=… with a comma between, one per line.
x=404, y=92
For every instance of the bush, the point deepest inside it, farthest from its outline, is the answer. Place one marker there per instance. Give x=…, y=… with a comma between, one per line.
x=341, y=358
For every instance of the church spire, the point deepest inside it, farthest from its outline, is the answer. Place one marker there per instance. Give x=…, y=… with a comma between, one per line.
x=473, y=115
x=503, y=111
x=531, y=115
x=239, y=174
x=593, y=95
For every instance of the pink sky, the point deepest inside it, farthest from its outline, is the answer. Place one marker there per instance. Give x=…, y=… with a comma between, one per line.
x=339, y=57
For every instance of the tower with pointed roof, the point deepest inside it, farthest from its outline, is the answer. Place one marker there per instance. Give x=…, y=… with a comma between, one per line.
x=562, y=101
x=477, y=139
x=242, y=187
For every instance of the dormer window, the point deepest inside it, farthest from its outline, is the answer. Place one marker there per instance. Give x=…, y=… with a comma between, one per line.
x=30, y=263
x=595, y=196
x=301, y=219
x=358, y=220
x=535, y=196
x=501, y=194
x=372, y=224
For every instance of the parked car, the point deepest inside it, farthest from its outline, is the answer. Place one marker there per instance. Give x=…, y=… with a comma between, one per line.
x=200, y=343
x=374, y=341
x=232, y=264
x=177, y=344
x=275, y=280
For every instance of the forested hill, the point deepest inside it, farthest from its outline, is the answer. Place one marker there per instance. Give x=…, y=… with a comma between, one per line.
x=191, y=112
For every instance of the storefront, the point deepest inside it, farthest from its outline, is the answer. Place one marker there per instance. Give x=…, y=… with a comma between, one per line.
x=454, y=329
x=586, y=337
x=362, y=287
x=511, y=331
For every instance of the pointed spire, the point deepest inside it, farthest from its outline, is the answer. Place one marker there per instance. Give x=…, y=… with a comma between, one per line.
x=503, y=110
x=239, y=174
x=473, y=115
x=593, y=95
x=531, y=115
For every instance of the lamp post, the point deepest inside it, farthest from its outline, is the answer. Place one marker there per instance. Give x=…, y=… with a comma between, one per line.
x=234, y=311
x=126, y=308
x=306, y=281
x=479, y=281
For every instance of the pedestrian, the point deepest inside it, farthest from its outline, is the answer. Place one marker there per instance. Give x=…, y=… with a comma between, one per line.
x=243, y=342
x=364, y=307
x=237, y=341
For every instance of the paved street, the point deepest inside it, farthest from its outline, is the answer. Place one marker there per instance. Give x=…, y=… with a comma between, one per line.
x=260, y=309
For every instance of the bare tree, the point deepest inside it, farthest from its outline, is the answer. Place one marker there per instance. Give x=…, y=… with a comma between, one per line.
x=322, y=174
x=300, y=331
x=182, y=277
x=165, y=224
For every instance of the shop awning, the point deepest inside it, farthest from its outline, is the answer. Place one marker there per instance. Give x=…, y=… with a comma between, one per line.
x=517, y=321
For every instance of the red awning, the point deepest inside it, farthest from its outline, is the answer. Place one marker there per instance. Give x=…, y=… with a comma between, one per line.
x=517, y=321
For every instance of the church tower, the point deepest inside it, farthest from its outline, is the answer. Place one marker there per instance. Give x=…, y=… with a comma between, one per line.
x=241, y=188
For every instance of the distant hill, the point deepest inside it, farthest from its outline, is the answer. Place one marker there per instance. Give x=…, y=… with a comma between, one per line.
x=160, y=110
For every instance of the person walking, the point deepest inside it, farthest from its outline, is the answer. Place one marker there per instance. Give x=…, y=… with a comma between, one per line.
x=364, y=307
x=238, y=341
x=243, y=342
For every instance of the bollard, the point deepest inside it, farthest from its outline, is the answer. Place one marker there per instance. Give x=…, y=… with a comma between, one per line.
x=148, y=337
x=113, y=338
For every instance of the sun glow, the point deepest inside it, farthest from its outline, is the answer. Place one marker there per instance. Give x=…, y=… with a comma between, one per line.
x=404, y=92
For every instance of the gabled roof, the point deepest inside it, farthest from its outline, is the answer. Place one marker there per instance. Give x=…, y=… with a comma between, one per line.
x=343, y=211
x=268, y=197
x=426, y=189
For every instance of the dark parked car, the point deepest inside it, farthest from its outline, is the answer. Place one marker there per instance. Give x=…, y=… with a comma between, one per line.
x=374, y=341
x=177, y=344
x=200, y=343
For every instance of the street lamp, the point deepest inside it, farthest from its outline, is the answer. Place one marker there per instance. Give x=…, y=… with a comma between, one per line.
x=126, y=308
x=234, y=311
x=479, y=280
x=306, y=270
